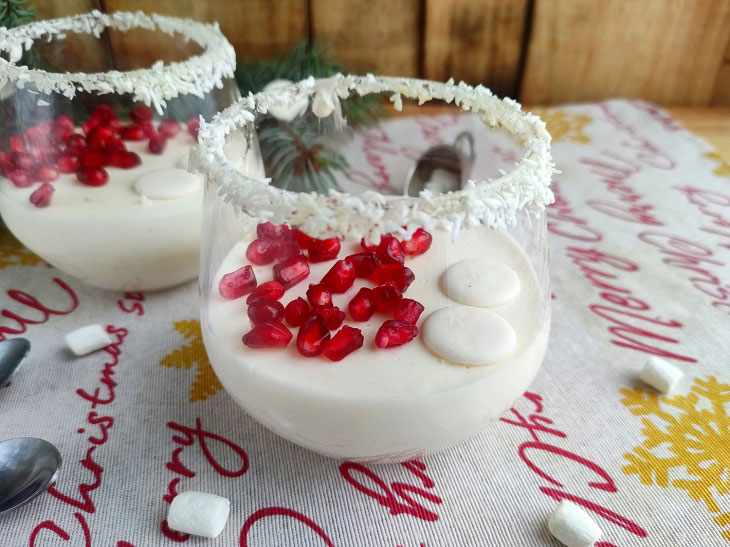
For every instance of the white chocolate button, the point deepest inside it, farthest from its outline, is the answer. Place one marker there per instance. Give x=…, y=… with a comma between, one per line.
x=481, y=282
x=198, y=513
x=169, y=183
x=289, y=112
x=660, y=374
x=573, y=526
x=468, y=336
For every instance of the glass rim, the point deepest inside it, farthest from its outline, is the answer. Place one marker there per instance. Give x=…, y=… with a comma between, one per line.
x=153, y=85
x=493, y=203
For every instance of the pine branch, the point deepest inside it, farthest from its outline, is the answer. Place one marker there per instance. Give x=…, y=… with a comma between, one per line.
x=14, y=13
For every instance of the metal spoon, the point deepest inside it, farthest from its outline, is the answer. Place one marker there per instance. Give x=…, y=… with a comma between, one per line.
x=451, y=164
x=12, y=353
x=28, y=466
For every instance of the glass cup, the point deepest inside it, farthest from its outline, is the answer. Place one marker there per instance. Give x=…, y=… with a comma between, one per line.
x=97, y=113
x=381, y=292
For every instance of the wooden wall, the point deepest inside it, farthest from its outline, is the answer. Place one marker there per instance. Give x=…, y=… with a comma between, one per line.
x=541, y=51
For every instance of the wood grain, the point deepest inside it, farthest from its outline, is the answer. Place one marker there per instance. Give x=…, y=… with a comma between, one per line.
x=668, y=52
x=478, y=41
x=380, y=36
x=721, y=95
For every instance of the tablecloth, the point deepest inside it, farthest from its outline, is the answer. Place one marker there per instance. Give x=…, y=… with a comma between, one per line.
x=639, y=244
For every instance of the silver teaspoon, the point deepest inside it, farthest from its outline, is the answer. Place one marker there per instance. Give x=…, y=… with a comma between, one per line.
x=28, y=466
x=443, y=168
x=12, y=353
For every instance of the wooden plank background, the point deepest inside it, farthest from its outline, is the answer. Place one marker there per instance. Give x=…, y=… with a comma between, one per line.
x=541, y=51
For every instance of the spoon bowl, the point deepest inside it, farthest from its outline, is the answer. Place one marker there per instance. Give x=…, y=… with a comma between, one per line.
x=28, y=466
x=443, y=168
x=12, y=353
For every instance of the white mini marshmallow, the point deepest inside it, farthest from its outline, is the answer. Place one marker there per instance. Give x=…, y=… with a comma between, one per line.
x=573, y=526
x=87, y=339
x=198, y=513
x=660, y=374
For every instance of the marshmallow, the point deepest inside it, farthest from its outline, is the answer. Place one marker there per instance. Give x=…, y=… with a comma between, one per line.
x=660, y=374
x=88, y=339
x=573, y=526
x=171, y=183
x=198, y=513
x=286, y=113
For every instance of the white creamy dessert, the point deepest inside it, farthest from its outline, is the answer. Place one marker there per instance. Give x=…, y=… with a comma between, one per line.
x=380, y=404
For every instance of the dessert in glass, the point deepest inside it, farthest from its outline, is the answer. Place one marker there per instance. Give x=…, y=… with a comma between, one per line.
x=362, y=323
x=97, y=114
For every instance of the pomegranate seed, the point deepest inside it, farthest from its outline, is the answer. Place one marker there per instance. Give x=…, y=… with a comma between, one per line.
x=312, y=336
x=133, y=133
x=7, y=163
x=288, y=250
x=157, y=144
x=402, y=276
x=75, y=143
x=297, y=311
x=64, y=120
x=62, y=133
x=273, y=232
x=369, y=247
x=99, y=136
x=268, y=335
x=115, y=144
x=169, y=128
x=124, y=159
x=272, y=290
x=321, y=250
x=319, y=295
x=90, y=124
x=91, y=159
x=92, y=177
x=42, y=196
x=386, y=297
x=236, y=284
x=362, y=306
x=261, y=252
x=17, y=144
x=395, y=333
x=38, y=135
x=265, y=310
x=332, y=315
x=140, y=113
x=20, y=178
x=104, y=113
x=46, y=173
x=23, y=161
x=68, y=163
x=342, y=344
x=390, y=251
x=408, y=311
x=148, y=128
x=292, y=271
x=303, y=239
x=193, y=127
x=364, y=263
x=419, y=243
x=340, y=277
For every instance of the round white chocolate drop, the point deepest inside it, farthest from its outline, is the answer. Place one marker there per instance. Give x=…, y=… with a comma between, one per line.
x=468, y=336
x=286, y=113
x=169, y=183
x=481, y=282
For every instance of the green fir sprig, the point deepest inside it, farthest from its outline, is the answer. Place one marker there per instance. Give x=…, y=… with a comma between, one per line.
x=14, y=13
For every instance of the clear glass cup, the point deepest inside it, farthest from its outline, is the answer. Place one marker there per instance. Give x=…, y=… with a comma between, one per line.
x=383, y=326
x=97, y=114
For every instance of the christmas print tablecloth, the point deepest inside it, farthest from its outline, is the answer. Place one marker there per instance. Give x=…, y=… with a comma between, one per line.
x=639, y=243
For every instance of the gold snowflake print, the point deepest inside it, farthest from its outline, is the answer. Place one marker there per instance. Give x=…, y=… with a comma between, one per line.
x=686, y=443
x=12, y=252
x=722, y=170
x=206, y=383
x=563, y=126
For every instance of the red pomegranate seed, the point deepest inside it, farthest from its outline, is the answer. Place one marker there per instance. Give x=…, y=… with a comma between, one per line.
x=42, y=196
x=386, y=297
x=273, y=232
x=20, y=178
x=64, y=120
x=261, y=252
x=91, y=123
x=140, y=113
x=319, y=295
x=169, y=128
x=340, y=277
x=157, y=144
x=7, y=163
x=67, y=163
x=321, y=250
x=46, y=173
x=390, y=251
x=288, y=250
x=104, y=113
x=342, y=344
x=271, y=290
x=99, y=136
x=62, y=133
x=297, y=311
x=38, y=135
x=75, y=143
x=303, y=239
x=292, y=271
x=124, y=159
x=419, y=243
x=91, y=159
x=395, y=333
x=23, y=160
x=238, y=283
x=332, y=315
x=193, y=127
x=401, y=275
x=365, y=263
x=369, y=247
x=265, y=310
x=268, y=335
x=92, y=177
x=312, y=336
x=362, y=306
x=408, y=311
x=115, y=144
x=133, y=133
x=17, y=144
